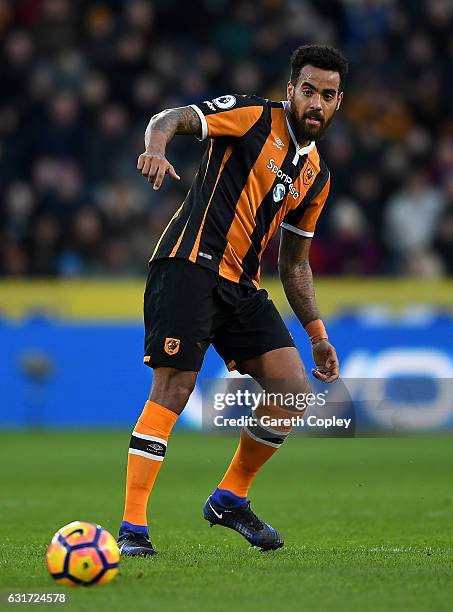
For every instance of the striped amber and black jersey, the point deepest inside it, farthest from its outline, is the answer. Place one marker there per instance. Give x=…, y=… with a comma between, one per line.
x=253, y=178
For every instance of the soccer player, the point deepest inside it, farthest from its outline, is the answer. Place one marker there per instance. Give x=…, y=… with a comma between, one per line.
x=261, y=171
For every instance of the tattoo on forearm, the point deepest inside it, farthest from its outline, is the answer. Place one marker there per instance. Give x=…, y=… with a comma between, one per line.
x=300, y=292
x=174, y=121
x=297, y=278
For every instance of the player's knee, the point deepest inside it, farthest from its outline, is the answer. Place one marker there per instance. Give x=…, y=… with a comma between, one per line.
x=172, y=388
x=180, y=391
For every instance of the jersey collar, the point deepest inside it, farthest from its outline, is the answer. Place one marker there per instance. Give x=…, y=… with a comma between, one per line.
x=300, y=151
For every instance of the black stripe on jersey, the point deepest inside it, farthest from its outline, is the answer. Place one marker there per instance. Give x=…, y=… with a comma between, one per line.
x=265, y=215
x=151, y=447
x=200, y=190
x=199, y=196
x=294, y=216
x=237, y=169
x=173, y=232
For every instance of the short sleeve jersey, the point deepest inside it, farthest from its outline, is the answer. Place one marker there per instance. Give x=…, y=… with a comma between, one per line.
x=253, y=178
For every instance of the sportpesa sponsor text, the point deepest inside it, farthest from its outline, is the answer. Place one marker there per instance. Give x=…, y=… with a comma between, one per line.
x=284, y=177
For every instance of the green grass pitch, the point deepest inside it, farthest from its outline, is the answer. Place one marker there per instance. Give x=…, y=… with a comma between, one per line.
x=368, y=523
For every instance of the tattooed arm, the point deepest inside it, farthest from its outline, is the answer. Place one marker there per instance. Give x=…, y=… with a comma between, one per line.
x=297, y=279
x=296, y=276
x=152, y=163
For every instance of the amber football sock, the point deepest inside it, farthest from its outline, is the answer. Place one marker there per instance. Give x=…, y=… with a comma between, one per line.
x=146, y=453
x=256, y=446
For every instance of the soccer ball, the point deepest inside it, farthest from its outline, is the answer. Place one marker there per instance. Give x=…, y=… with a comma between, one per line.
x=83, y=554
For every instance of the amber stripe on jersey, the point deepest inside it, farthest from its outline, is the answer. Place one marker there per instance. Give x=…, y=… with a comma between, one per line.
x=241, y=229
x=234, y=122
x=312, y=212
x=278, y=218
x=305, y=215
x=269, y=216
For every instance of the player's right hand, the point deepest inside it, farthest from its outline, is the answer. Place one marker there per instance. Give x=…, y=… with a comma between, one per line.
x=154, y=166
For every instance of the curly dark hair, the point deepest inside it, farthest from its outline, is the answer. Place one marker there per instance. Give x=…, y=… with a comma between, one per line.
x=320, y=56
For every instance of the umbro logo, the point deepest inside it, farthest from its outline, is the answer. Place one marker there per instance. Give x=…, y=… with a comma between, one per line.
x=155, y=447
x=278, y=143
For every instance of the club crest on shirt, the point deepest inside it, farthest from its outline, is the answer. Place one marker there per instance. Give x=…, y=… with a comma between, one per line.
x=171, y=345
x=279, y=192
x=225, y=102
x=309, y=174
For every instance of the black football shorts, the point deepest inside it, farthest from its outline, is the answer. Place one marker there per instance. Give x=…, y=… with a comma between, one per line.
x=187, y=307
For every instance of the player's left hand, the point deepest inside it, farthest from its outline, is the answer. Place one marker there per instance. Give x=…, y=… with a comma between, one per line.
x=325, y=357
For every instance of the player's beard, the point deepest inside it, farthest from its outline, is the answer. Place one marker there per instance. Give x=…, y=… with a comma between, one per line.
x=301, y=130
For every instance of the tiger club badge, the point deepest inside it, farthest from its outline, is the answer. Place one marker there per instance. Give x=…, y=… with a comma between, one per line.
x=171, y=345
x=308, y=175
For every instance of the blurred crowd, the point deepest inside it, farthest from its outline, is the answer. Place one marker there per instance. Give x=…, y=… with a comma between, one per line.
x=80, y=80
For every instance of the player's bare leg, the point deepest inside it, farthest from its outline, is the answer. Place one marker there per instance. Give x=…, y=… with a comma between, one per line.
x=169, y=394
x=172, y=388
x=282, y=364
x=278, y=371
